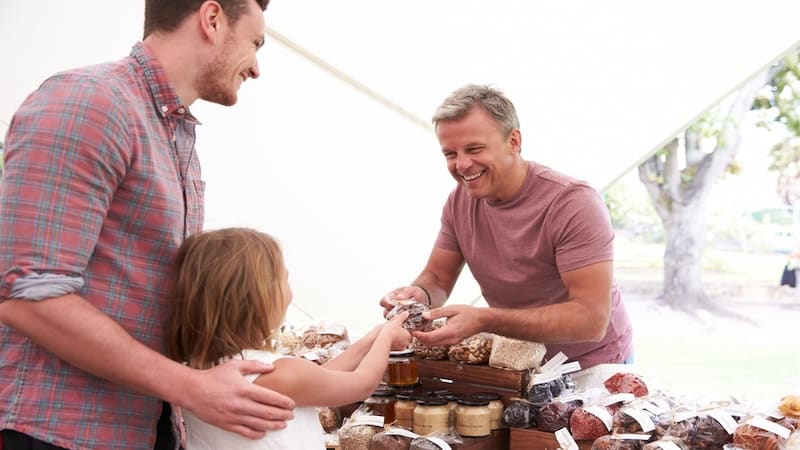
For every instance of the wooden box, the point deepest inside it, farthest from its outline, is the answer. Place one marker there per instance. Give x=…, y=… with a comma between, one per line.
x=532, y=439
x=466, y=379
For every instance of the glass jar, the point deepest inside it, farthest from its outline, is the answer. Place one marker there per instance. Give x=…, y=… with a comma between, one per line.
x=495, y=407
x=402, y=368
x=452, y=403
x=404, y=411
x=473, y=418
x=382, y=403
x=431, y=415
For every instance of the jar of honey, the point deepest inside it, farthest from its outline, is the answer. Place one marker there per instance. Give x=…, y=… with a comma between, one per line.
x=382, y=403
x=402, y=369
x=495, y=407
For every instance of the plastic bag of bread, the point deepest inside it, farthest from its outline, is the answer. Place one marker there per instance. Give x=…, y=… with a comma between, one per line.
x=329, y=417
x=515, y=354
x=624, y=382
x=710, y=433
x=590, y=422
x=393, y=439
x=473, y=350
x=357, y=431
x=760, y=433
x=324, y=335
x=620, y=442
x=666, y=442
x=437, y=441
x=519, y=414
x=555, y=415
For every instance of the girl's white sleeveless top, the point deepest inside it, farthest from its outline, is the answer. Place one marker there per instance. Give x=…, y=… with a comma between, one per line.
x=301, y=433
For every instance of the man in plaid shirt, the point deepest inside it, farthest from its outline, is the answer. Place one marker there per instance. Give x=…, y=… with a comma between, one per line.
x=102, y=184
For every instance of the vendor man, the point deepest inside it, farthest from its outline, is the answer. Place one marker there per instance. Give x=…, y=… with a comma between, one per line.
x=539, y=243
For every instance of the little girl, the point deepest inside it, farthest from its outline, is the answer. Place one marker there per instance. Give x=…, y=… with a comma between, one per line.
x=231, y=293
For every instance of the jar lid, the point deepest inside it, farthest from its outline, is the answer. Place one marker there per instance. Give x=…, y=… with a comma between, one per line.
x=473, y=402
x=486, y=396
x=451, y=397
x=406, y=352
x=432, y=401
x=383, y=393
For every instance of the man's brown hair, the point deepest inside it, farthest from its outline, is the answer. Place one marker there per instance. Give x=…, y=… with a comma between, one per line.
x=166, y=15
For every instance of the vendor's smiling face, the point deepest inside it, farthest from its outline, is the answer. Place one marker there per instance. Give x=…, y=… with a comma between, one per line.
x=480, y=155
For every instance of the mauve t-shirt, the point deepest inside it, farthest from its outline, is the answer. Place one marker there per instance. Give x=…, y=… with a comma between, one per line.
x=516, y=249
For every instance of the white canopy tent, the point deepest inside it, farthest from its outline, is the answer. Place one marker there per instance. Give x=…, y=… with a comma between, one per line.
x=353, y=189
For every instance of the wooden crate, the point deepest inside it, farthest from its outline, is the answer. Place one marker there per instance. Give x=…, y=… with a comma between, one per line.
x=466, y=379
x=532, y=439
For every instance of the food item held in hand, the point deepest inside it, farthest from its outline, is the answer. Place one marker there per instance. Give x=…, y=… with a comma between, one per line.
x=434, y=352
x=414, y=322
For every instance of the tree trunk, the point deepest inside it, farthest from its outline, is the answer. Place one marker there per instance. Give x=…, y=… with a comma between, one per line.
x=685, y=237
x=679, y=196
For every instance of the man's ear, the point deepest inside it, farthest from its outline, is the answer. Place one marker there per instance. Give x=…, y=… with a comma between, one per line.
x=211, y=19
x=515, y=140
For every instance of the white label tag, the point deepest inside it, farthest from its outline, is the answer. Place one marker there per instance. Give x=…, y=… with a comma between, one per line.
x=618, y=398
x=667, y=445
x=546, y=377
x=557, y=360
x=652, y=407
x=401, y=432
x=772, y=427
x=441, y=443
x=332, y=328
x=568, y=398
x=565, y=440
x=570, y=367
x=631, y=436
x=724, y=418
x=375, y=421
x=684, y=415
x=642, y=418
x=602, y=414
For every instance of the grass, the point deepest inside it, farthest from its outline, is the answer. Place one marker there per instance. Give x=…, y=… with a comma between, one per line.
x=711, y=356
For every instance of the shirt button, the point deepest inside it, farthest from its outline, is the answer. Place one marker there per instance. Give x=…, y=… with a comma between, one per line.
x=181, y=110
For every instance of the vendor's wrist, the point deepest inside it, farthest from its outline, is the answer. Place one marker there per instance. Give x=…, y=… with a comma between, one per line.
x=427, y=294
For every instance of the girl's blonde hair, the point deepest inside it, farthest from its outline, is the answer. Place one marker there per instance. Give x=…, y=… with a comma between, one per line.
x=228, y=296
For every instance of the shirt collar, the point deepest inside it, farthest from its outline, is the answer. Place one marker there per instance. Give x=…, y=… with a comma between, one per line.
x=166, y=99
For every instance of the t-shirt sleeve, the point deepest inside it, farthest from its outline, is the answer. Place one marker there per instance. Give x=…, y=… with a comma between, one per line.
x=582, y=229
x=447, y=233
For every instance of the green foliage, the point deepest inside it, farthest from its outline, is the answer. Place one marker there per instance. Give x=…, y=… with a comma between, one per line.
x=630, y=210
x=779, y=107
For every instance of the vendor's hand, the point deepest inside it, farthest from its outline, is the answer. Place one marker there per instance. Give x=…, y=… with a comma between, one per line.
x=414, y=293
x=223, y=397
x=401, y=338
x=462, y=322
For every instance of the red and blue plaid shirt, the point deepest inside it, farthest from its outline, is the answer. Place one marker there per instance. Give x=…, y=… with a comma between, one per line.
x=101, y=186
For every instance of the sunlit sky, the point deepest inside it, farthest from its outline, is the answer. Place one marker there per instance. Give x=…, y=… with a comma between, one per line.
x=353, y=190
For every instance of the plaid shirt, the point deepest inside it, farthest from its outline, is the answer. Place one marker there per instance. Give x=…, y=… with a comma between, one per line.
x=101, y=186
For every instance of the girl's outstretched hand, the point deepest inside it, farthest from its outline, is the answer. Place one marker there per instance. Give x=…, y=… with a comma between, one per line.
x=400, y=337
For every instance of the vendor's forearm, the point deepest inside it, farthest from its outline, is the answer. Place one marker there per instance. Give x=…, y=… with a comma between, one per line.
x=563, y=323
